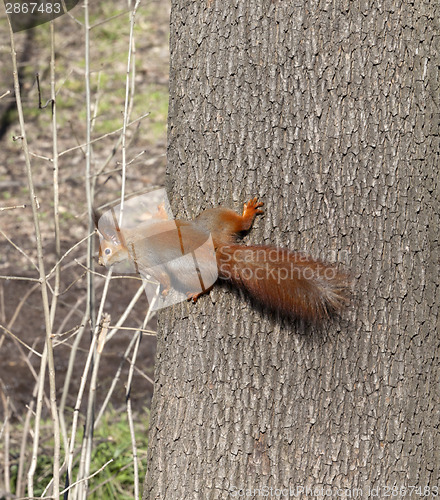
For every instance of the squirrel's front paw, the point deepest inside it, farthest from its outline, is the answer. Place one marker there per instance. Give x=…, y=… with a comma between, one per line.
x=252, y=207
x=193, y=297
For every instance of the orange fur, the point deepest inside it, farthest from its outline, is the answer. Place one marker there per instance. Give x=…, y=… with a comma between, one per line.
x=291, y=283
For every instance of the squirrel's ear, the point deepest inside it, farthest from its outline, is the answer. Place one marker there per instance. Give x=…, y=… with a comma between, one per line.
x=104, y=227
x=95, y=217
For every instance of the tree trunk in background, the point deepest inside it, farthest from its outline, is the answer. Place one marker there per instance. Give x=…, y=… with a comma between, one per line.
x=328, y=111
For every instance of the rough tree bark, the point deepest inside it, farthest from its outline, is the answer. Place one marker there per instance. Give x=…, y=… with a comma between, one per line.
x=328, y=111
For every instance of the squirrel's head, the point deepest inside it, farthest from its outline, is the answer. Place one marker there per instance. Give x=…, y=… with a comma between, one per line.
x=111, y=251
x=112, y=247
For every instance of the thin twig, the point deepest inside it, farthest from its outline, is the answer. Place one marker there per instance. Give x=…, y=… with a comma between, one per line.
x=40, y=389
x=130, y=417
x=127, y=311
x=40, y=106
x=100, y=170
x=128, y=398
x=20, y=305
x=44, y=291
x=65, y=392
x=41, y=157
x=142, y=330
x=127, y=108
x=83, y=384
x=92, y=141
x=127, y=351
x=106, y=20
x=79, y=278
x=20, y=341
x=2, y=306
x=19, y=278
x=6, y=432
x=109, y=479
x=68, y=252
x=142, y=374
x=21, y=462
x=86, y=453
x=17, y=310
x=76, y=482
x=96, y=106
x=123, y=276
x=56, y=197
x=88, y=157
x=87, y=478
x=12, y=208
x=19, y=249
x=17, y=340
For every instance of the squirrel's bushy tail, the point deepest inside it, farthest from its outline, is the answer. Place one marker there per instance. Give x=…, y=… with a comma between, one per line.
x=285, y=281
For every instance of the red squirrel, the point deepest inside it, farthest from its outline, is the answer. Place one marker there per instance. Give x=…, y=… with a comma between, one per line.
x=288, y=282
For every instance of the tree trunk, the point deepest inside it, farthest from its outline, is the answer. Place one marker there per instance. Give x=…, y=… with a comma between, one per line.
x=328, y=111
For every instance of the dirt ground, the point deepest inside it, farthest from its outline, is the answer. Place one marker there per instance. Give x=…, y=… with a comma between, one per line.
x=146, y=148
